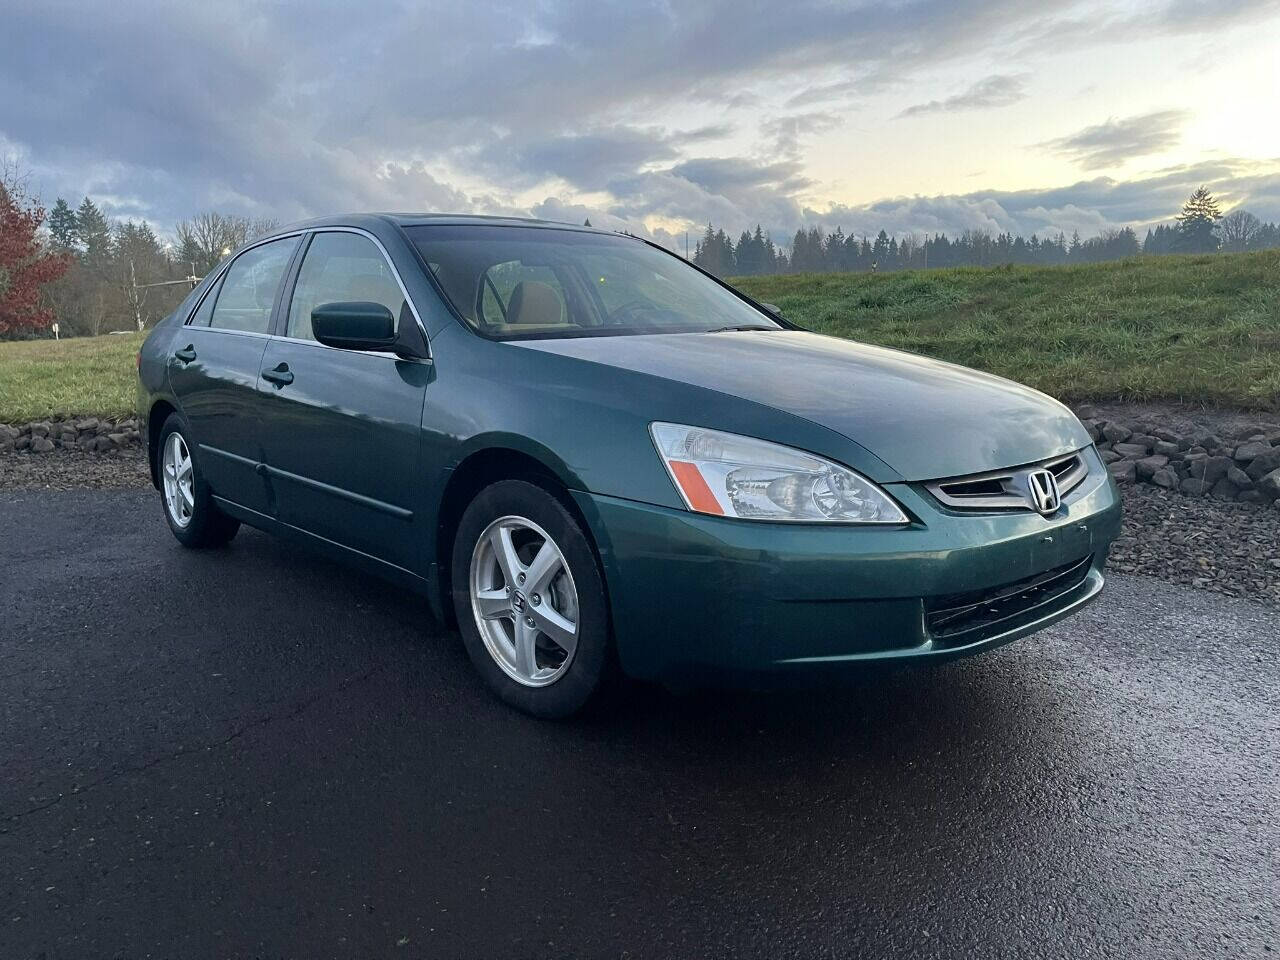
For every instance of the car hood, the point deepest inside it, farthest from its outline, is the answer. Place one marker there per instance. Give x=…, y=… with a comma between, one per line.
x=926, y=419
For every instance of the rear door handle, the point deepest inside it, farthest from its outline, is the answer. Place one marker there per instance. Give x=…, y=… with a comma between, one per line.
x=279, y=375
x=187, y=353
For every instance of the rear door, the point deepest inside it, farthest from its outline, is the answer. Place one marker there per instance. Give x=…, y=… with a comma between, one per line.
x=215, y=364
x=341, y=428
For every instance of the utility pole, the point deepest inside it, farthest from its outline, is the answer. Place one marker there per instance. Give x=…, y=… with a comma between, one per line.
x=191, y=280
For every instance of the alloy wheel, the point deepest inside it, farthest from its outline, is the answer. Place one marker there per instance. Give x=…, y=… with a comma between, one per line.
x=524, y=600
x=179, y=481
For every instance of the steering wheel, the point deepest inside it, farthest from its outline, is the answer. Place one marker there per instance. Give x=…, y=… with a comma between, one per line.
x=620, y=315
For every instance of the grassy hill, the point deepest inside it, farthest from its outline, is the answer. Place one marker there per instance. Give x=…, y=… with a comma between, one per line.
x=1196, y=329
x=1192, y=329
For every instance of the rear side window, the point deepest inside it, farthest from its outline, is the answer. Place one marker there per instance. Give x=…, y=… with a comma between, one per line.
x=249, y=287
x=205, y=312
x=341, y=267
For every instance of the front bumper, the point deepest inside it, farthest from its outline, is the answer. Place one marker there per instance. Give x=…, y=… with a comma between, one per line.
x=695, y=595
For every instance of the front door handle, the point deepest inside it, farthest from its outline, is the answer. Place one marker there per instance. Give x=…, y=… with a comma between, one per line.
x=279, y=375
x=187, y=353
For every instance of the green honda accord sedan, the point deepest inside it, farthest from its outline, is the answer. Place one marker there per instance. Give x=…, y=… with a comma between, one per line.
x=599, y=459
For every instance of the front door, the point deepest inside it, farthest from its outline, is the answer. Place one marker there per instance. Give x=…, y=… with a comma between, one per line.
x=341, y=427
x=214, y=371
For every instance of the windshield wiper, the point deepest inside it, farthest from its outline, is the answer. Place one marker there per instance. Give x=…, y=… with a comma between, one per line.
x=744, y=326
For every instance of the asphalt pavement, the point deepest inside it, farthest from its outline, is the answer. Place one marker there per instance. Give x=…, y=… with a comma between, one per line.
x=255, y=752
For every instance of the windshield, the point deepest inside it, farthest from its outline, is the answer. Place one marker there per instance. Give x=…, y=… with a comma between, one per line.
x=533, y=282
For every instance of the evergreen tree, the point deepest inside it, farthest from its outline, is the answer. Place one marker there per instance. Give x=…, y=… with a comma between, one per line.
x=1198, y=223
x=62, y=226
x=94, y=234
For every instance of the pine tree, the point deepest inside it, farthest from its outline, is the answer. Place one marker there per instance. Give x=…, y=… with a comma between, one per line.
x=62, y=226
x=94, y=234
x=1198, y=223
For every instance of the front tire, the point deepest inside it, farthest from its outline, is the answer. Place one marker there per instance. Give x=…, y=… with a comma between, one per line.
x=530, y=600
x=192, y=515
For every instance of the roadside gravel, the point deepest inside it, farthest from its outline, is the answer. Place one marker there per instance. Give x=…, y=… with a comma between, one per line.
x=1229, y=548
x=72, y=469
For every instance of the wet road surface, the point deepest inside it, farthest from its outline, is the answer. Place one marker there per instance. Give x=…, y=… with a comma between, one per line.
x=254, y=752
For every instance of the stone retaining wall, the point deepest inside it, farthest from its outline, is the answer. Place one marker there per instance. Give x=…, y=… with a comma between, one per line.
x=1197, y=463
x=87, y=433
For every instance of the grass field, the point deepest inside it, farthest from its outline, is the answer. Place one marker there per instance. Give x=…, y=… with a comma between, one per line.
x=83, y=375
x=1190, y=329
x=1196, y=329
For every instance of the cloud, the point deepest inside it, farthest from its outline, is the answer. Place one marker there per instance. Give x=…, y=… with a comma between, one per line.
x=1114, y=142
x=1088, y=206
x=997, y=90
x=628, y=110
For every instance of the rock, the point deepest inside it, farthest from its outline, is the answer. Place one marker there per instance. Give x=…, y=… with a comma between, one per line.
x=87, y=443
x=40, y=429
x=1269, y=486
x=1166, y=448
x=1086, y=411
x=1092, y=428
x=9, y=433
x=41, y=444
x=1194, y=488
x=1224, y=489
x=1197, y=451
x=102, y=444
x=1252, y=496
x=1240, y=478
x=1264, y=464
x=1116, y=432
x=1211, y=469
x=87, y=425
x=1147, y=467
x=119, y=439
x=1145, y=439
x=1273, y=438
x=1122, y=470
x=1215, y=444
x=1131, y=451
x=1108, y=456
x=6, y=443
x=22, y=443
x=1248, y=452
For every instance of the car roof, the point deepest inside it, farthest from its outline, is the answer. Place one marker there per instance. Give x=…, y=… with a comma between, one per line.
x=425, y=219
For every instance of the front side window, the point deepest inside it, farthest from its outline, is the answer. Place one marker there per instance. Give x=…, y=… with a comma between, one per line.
x=249, y=287
x=341, y=267
x=512, y=282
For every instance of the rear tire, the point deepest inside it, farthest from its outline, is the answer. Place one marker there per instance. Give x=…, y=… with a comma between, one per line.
x=530, y=601
x=188, y=506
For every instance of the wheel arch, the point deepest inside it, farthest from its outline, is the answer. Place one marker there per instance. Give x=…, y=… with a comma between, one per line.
x=487, y=463
x=160, y=411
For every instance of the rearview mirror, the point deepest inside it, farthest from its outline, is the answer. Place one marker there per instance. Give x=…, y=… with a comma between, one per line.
x=362, y=325
x=354, y=325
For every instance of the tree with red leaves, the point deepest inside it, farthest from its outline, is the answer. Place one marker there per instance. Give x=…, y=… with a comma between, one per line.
x=25, y=266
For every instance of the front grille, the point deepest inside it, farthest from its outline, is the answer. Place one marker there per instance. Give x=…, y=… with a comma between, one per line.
x=955, y=617
x=1007, y=489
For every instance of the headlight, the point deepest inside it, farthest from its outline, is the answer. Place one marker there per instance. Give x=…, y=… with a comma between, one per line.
x=728, y=475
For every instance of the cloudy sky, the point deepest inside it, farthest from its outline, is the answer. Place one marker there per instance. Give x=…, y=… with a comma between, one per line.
x=912, y=115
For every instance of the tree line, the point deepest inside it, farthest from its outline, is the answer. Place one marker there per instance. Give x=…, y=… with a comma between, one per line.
x=92, y=274
x=1199, y=228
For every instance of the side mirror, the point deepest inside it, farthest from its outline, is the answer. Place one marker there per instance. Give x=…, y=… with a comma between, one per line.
x=775, y=310
x=363, y=325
